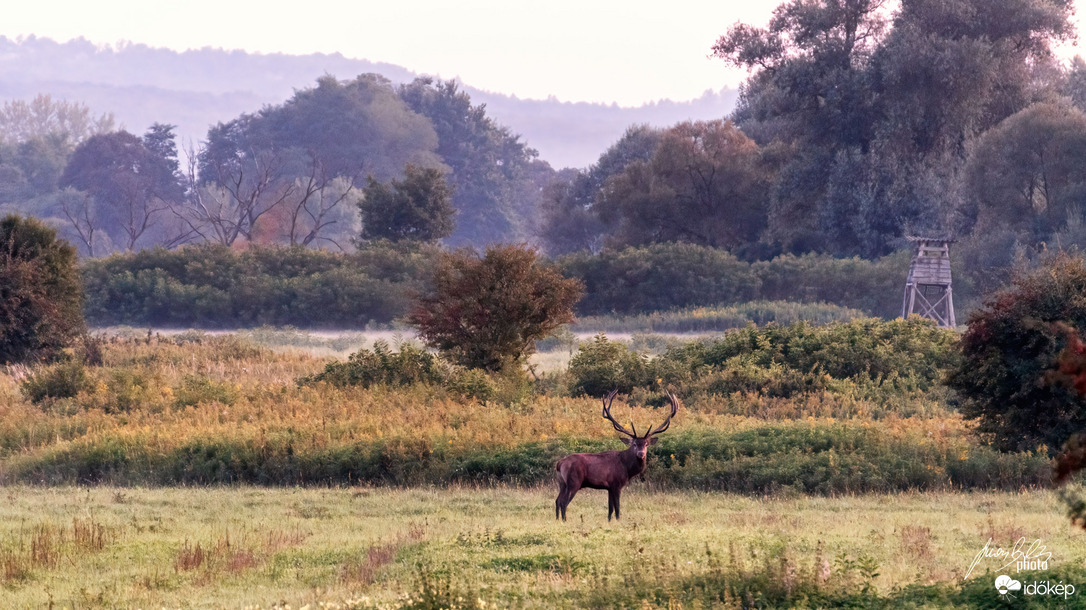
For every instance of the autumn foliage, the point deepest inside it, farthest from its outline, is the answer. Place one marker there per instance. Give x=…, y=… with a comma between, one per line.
x=1009, y=352
x=488, y=311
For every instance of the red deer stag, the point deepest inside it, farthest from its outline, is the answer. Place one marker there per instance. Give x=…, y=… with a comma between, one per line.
x=610, y=470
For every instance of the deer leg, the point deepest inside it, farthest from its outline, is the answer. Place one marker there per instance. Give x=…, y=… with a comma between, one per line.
x=572, y=491
x=612, y=502
x=558, y=501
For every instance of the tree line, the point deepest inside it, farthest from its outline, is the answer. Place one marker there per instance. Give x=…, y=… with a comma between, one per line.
x=860, y=123
x=340, y=162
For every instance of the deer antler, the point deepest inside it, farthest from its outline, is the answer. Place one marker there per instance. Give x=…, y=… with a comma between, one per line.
x=667, y=422
x=607, y=415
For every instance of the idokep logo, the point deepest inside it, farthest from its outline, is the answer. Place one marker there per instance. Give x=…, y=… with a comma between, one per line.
x=1005, y=585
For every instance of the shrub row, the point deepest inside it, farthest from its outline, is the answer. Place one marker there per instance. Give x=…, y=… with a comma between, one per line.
x=214, y=287
x=665, y=277
x=792, y=457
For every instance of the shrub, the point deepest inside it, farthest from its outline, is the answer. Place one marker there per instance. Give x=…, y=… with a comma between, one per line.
x=672, y=276
x=41, y=298
x=61, y=380
x=601, y=366
x=1011, y=345
x=196, y=389
x=472, y=383
x=784, y=361
x=488, y=311
x=212, y=286
x=382, y=366
x=866, y=347
x=659, y=277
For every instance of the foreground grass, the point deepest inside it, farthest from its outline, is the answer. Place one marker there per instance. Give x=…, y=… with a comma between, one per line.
x=357, y=547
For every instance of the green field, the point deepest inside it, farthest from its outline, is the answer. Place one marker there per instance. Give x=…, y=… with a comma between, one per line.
x=240, y=547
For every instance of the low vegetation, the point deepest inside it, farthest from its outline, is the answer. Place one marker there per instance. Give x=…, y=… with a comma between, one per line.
x=716, y=319
x=759, y=415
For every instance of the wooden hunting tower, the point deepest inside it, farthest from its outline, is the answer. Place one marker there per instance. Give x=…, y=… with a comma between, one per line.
x=928, y=291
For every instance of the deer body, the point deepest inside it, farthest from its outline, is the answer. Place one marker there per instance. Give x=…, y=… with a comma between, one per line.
x=610, y=470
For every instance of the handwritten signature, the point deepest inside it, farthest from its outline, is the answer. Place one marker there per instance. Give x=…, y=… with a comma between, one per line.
x=1023, y=557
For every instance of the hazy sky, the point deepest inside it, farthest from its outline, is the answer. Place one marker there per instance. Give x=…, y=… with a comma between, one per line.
x=629, y=52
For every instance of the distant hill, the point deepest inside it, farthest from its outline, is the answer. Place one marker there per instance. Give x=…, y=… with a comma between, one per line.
x=196, y=89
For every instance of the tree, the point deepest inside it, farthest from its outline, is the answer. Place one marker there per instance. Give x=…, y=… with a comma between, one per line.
x=236, y=178
x=131, y=184
x=496, y=178
x=416, y=208
x=42, y=117
x=1011, y=345
x=353, y=128
x=1029, y=172
x=41, y=297
x=289, y=173
x=487, y=312
x=570, y=208
x=870, y=114
x=704, y=185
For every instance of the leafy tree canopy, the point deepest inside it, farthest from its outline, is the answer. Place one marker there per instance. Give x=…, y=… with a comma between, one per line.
x=488, y=311
x=41, y=297
x=704, y=184
x=495, y=176
x=868, y=109
x=417, y=208
x=131, y=183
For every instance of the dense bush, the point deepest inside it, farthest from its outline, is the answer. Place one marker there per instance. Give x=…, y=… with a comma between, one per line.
x=779, y=361
x=869, y=347
x=659, y=277
x=487, y=311
x=382, y=366
x=665, y=277
x=41, y=298
x=1010, y=352
x=62, y=380
x=213, y=286
x=601, y=366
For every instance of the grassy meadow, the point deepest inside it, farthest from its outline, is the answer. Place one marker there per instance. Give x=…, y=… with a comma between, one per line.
x=246, y=547
x=194, y=470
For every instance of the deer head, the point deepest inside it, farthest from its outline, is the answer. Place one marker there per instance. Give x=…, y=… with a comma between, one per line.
x=638, y=444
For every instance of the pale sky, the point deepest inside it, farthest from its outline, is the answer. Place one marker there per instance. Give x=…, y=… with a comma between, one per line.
x=628, y=52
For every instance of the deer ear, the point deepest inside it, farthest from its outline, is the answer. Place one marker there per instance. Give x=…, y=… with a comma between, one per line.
x=652, y=440
x=627, y=440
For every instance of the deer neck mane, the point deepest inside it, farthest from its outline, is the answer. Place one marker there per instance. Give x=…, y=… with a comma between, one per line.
x=634, y=465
